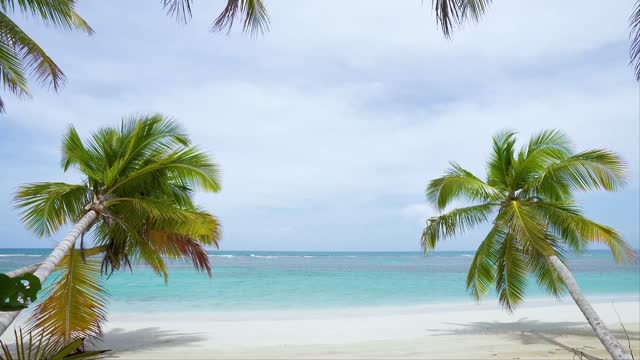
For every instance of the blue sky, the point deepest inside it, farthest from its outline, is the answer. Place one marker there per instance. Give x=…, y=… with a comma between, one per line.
x=328, y=127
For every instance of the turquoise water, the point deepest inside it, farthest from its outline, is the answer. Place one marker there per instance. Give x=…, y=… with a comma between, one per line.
x=297, y=280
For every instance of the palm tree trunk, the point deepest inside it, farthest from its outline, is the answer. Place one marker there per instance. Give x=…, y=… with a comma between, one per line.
x=52, y=261
x=29, y=269
x=617, y=351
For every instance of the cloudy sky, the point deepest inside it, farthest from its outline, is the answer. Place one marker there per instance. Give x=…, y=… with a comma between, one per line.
x=328, y=127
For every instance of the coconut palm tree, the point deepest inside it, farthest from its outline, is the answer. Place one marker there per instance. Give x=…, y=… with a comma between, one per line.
x=21, y=56
x=136, y=206
x=450, y=14
x=528, y=199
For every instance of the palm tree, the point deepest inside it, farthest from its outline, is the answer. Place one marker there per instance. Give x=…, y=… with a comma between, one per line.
x=135, y=202
x=21, y=56
x=528, y=197
x=451, y=14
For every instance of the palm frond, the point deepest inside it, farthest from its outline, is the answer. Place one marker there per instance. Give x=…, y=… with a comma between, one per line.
x=545, y=275
x=44, y=207
x=12, y=71
x=34, y=58
x=525, y=225
x=193, y=167
x=511, y=277
x=588, y=170
x=178, y=247
x=571, y=225
x=543, y=149
x=500, y=166
x=140, y=138
x=453, y=223
x=180, y=10
x=252, y=13
x=77, y=305
x=482, y=272
x=634, y=48
x=451, y=14
x=459, y=184
x=59, y=13
x=74, y=153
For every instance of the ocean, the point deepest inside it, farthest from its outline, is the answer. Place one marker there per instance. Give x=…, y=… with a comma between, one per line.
x=252, y=280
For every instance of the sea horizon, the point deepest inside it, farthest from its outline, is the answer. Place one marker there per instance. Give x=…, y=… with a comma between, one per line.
x=299, y=280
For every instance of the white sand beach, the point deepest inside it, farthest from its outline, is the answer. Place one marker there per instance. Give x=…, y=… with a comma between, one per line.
x=540, y=329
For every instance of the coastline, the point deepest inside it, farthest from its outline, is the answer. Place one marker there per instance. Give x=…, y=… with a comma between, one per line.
x=539, y=329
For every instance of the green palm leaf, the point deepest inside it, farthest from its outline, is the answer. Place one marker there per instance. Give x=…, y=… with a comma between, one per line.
x=459, y=184
x=511, y=277
x=482, y=272
x=453, y=223
x=589, y=170
x=47, y=206
x=568, y=222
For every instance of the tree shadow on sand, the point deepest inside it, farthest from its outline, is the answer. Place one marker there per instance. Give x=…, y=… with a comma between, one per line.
x=119, y=340
x=536, y=332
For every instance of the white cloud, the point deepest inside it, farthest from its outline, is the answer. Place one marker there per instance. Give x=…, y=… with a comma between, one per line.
x=345, y=111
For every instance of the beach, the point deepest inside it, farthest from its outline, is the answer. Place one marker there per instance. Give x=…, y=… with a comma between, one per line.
x=541, y=329
x=336, y=305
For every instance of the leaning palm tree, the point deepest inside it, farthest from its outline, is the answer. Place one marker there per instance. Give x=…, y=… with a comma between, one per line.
x=528, y=198
x=136, y=206
x=451, y=14
x=21, y=56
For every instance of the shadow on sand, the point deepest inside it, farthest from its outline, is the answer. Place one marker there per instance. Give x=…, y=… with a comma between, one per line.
x=119, y=340
x=536, y=332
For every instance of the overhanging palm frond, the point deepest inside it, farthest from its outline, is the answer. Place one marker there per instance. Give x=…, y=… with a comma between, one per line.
x=634, y=48
x=180, y=10
x=44, y=207
x=35, y=59
x=454, y=222
x=451, y=14
x=459, y=184
x=59, y=13
x=12, y=72
x=252, y=13
x=77, y=305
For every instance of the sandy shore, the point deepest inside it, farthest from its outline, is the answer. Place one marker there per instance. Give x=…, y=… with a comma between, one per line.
x=538, y=330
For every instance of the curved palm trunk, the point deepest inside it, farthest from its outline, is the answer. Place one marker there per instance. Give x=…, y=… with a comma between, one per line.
x=29, y=269
x=617, y=351
x=52, y=261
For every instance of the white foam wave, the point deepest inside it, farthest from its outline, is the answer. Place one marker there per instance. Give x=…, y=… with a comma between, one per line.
x=263, y=256
x=466, y=255
x=223, y=256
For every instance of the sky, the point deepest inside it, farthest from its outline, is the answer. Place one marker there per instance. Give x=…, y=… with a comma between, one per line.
x=328, y=127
